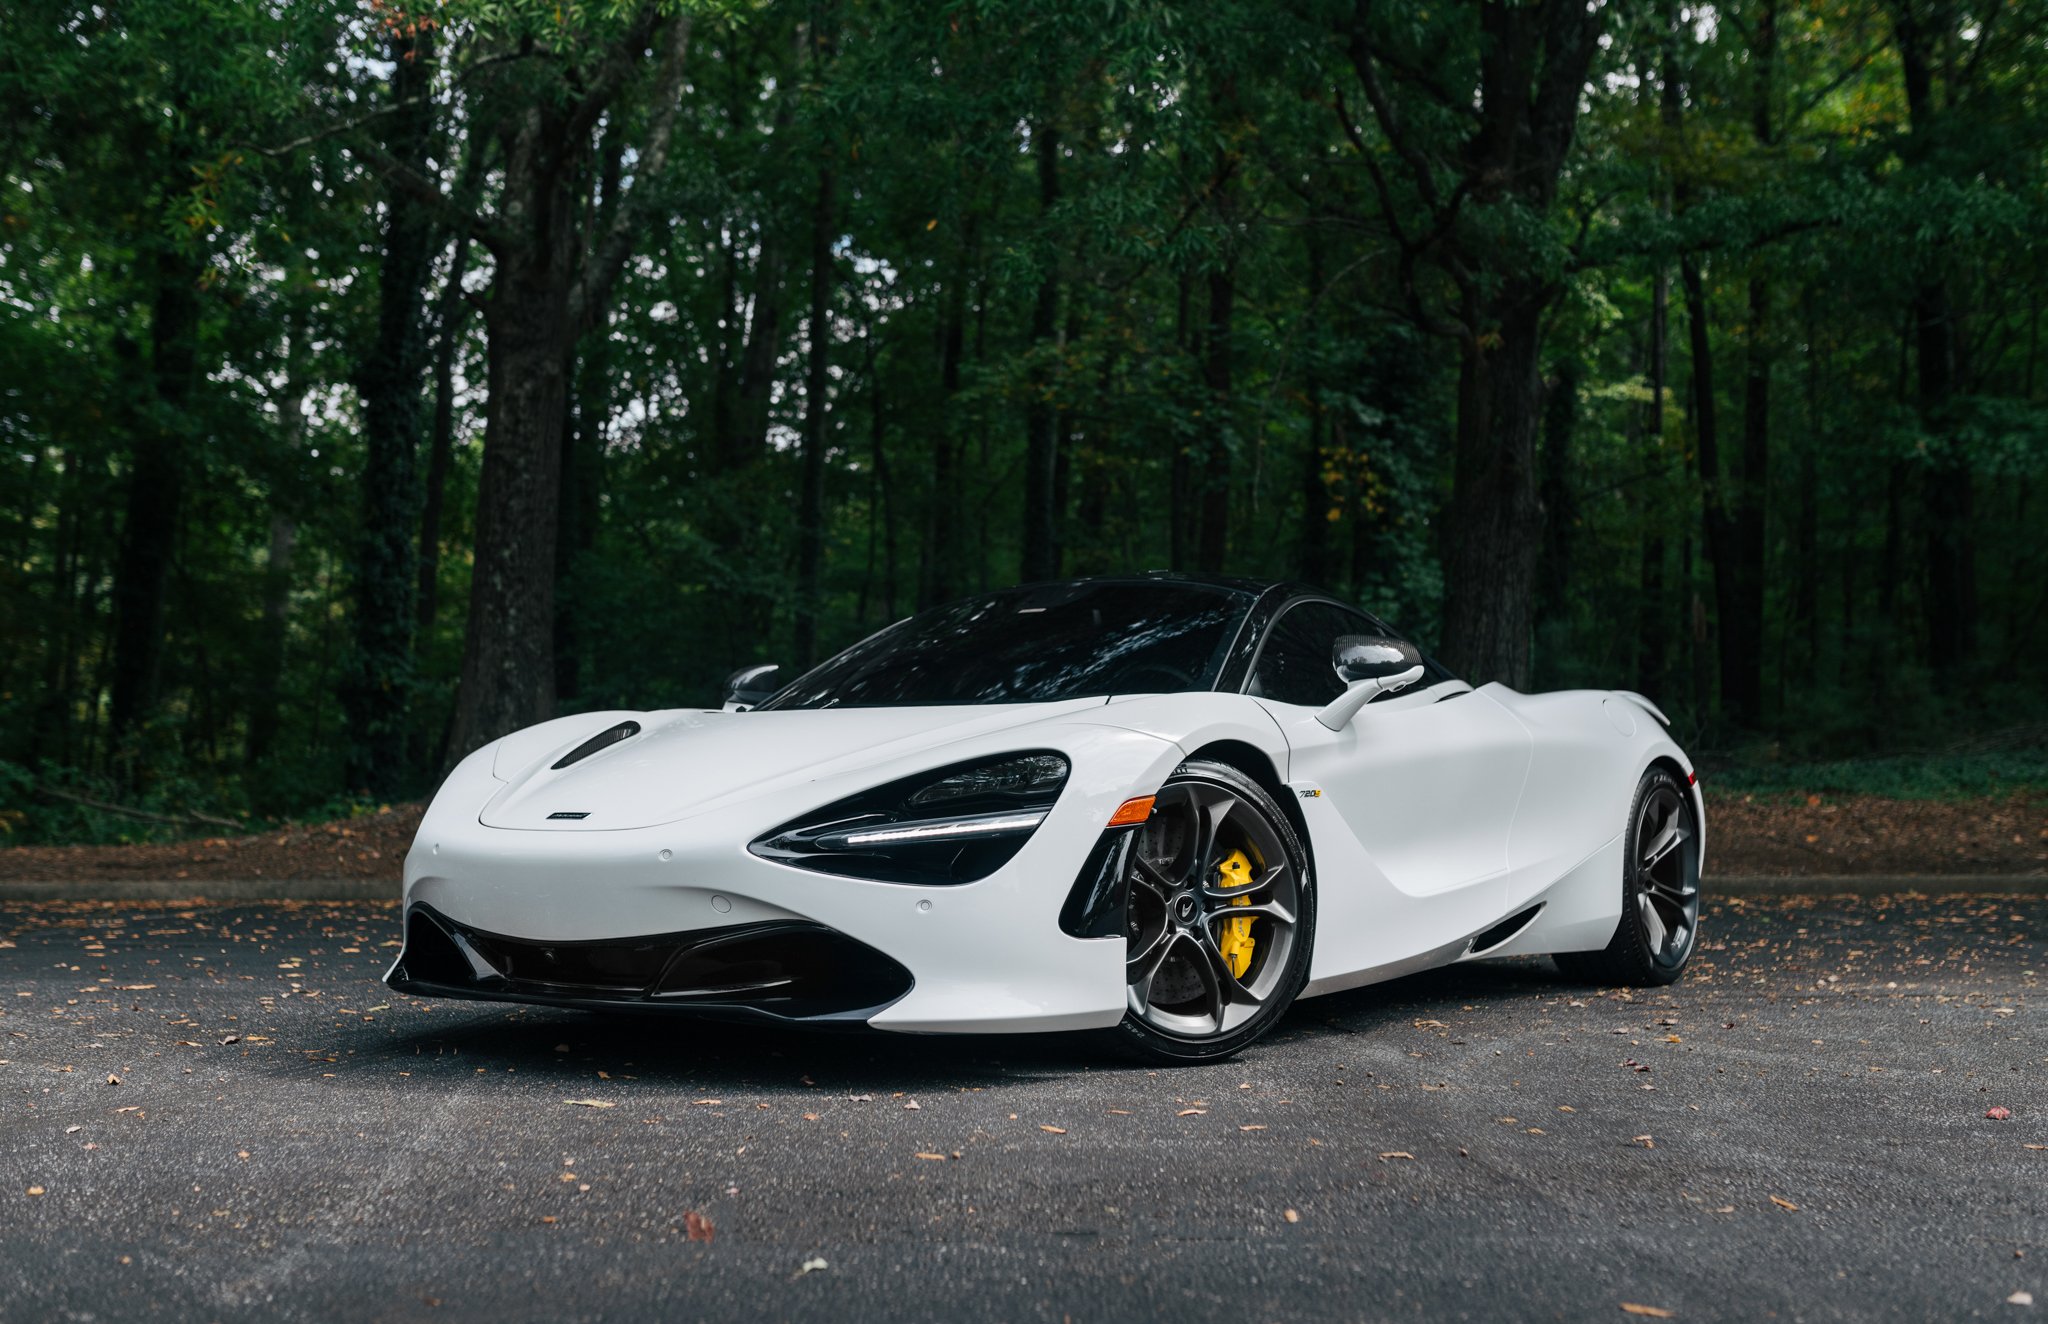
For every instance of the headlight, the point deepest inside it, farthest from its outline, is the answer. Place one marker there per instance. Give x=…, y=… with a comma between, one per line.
x=949, y=825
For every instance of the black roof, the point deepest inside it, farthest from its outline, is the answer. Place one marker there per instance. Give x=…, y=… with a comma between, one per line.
x=1230, y=583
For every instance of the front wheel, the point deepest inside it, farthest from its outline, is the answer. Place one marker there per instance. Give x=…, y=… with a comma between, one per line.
x=1219, y=917
x=1660, y=892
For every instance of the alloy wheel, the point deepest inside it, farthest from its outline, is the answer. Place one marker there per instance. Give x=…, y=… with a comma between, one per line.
x=1666, y=857
x=1213, y=915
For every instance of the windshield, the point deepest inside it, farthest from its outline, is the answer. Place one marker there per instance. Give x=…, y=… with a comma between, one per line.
x=1035, y=645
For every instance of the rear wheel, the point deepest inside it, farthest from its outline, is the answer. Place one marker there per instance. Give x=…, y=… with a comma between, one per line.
x=1220, y=915
x=1660, y=892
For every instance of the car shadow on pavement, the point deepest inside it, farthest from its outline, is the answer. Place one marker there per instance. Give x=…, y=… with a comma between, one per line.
x=709, y=1056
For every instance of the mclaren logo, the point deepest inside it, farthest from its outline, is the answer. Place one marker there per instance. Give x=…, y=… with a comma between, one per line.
x=570, y=813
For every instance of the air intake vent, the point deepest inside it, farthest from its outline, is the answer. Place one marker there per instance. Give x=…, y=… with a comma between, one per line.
x=1501, y=932
x=602, y=740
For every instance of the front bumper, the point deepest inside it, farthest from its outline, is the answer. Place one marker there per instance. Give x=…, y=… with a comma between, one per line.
x=785, y=971
x=981, y=957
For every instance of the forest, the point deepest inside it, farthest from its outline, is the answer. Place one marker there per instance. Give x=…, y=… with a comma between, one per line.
x=379, y=376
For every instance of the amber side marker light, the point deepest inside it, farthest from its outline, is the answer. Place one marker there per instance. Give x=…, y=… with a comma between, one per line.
x=1135, y=810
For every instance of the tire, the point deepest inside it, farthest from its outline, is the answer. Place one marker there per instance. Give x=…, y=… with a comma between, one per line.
x=1660, y=892
x=1187, y=1000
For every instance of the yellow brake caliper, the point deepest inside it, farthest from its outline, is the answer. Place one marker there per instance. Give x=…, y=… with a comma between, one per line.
x=1234, y=938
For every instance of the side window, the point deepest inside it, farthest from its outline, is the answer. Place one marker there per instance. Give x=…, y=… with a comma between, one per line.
x=1295, y=664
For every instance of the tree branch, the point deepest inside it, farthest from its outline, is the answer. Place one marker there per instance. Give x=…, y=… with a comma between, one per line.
x=192, y=816
x=612, y=73
x=428, y=194
x=587, y=300
x=1362, y=54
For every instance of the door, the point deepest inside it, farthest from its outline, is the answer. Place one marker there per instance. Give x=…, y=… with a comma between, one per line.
x=1410, y=804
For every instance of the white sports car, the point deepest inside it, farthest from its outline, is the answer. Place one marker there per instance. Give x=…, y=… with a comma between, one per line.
x=1161, y=805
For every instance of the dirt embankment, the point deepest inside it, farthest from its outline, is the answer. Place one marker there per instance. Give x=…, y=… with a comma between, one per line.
x=1869, y=834
x=372, y=846
x=1749, y=835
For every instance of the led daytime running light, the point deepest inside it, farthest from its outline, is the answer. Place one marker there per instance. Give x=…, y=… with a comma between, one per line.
x=981, y=825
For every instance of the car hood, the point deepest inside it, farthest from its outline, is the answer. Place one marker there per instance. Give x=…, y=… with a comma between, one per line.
x=685, y=763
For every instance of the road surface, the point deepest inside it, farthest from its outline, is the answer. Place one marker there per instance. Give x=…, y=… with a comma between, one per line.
x=219, y=1112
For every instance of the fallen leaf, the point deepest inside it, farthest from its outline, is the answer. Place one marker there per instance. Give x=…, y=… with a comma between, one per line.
x=696, y=1226
x=1783, y=1203
x=1654, y=1312
x=1055, y=1130
x=589, y=1103
x=1291, y=1216
x=1396, y=1153
x=547, y=1218
x=1998, y=1114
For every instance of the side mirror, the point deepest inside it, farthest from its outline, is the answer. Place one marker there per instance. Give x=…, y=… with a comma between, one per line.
x=1371, y=666
x=750, y=685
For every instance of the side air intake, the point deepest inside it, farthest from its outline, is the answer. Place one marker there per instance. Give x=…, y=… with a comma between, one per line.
x=1499, y=934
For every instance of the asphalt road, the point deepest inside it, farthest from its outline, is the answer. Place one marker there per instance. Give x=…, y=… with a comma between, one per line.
x=1797, y=1132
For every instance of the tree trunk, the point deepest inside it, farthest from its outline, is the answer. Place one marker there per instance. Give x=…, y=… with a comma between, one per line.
x=1948, y=488
x=1742, y=676
x=1180, y=481
x=440, y=445
x=1315, y=493
x=545, y=292
x=149, y=530
x=810, y=517
x=508, y=666
x=1718, y=526
x=1948, y=491
x=1653, y=620
x=1040, y=423
x=1214, y=546
x=377, y=683
x=1560, y=515
x=1495, y=520
x=749, y=440
x=1806, y=599
x=941, y=559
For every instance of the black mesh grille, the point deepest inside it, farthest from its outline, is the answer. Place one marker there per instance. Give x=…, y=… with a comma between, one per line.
x=791, y=970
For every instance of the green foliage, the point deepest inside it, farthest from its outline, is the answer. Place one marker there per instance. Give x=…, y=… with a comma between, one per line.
x=1258, y=296
x=1901, y=777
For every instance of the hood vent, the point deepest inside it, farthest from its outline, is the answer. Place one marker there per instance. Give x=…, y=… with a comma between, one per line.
x=602, y=740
